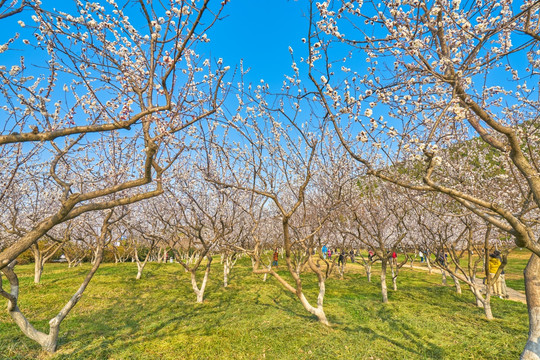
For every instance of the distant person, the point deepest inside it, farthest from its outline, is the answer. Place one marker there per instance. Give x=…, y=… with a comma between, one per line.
x=394, y=257
x=370, y=255
x=324, y=250
x=421, y=254
x=494, y=264
x=329, y=254
x=351, y=254
x=441, y=259
x=341, y=259
x=276, y=256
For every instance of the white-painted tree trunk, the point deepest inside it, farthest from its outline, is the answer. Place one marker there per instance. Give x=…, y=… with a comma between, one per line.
x=225, y=273
x=342, y=270
x=199, y=292
x=443, y=273
x=140, y=264
x=229, y=260
x=298, y=268
x=483, y=301
x=503, y=285
x=430, y=269
x=384, y=288
x=140, y=268
x=458, y=285
x=266, y=274
x=319, y=310
x=532, y=291
x=487, y=307
x=38, y=270
x=38, y=263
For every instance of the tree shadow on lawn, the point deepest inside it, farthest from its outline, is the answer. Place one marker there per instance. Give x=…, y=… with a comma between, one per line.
x=107, y=331
x=290, y=306
x=410, y=342
x=106, y=322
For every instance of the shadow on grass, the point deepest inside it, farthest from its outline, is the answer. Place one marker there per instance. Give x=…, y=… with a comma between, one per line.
x=410, y=343
x=132, y=321
x=157, y=317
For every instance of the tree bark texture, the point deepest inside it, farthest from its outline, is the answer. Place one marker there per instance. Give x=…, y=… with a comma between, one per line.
x=384, y=288
x=532, y=291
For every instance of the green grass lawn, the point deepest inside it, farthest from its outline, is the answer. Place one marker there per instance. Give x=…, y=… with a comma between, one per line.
x=158, y=318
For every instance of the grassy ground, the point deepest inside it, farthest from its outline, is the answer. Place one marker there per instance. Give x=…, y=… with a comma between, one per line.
x=158, y=318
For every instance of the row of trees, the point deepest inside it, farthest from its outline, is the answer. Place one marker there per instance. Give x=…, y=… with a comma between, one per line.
x=393, y=132
x=202, y=214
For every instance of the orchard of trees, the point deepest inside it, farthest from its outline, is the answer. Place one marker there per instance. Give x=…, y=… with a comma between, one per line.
x=402, y=126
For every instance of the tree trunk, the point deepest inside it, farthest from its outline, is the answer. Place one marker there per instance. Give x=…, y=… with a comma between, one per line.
x=225, y=272
x=479, y=302
x=443, y=273
x=319, y=310
x=38, y=263
x=38, y=270
x=430, y=270
x=200, y=291
x=368, y=272
x=532, y=292
x=298, y=268
x=504, y=288
x=140, y=268
x=266, y=274
x=48, y=341
x=484, y=302
x=394, y=278
x=487, y=308
x=69, y=260
x=94, y=258
x=384, y=289
x=140, y=264
x=478, y=295
x=458, y=285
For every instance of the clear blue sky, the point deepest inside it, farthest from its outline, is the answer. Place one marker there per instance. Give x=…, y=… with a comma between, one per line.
x=260, y=32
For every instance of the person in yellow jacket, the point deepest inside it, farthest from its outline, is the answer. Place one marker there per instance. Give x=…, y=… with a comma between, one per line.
x=494, y=264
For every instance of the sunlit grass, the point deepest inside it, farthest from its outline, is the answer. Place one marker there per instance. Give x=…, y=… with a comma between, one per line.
x=158, y=318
